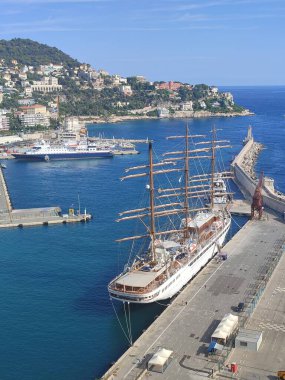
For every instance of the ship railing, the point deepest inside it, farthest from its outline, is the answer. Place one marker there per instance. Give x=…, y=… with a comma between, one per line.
x=152, y=286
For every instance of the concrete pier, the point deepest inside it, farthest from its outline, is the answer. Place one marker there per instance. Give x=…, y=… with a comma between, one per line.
x=185, y=327
x=246, y=179
x=10, y=217
x=5, y=202
x=240, y=207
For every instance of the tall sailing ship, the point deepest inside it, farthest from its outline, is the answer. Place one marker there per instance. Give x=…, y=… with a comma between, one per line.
x=192, y=236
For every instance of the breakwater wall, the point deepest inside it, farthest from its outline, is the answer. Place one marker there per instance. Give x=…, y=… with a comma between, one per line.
x=245, y=178
x=6, y=205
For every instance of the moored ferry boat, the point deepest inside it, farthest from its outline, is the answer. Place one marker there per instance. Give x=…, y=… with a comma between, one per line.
x=45, y=152
x=175, y=254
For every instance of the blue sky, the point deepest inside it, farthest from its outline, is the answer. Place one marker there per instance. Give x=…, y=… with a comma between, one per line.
x=221, y=42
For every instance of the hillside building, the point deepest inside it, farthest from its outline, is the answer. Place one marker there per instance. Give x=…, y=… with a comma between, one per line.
x=34, y=109
x=36, y=114
x=173, y=86
x=126, y=90
x=26, y=102
x=103, y=72
x=140, y=78
x=228, y=97
x=51, y=68
x=163, y=112
x=7, y=76
x=23, y=76
x=28, y=91
x=187, y=106
x=72, y=123
x=48, y=84
x=4, y=123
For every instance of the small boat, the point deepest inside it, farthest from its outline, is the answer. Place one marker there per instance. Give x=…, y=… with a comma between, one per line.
x=3, y=166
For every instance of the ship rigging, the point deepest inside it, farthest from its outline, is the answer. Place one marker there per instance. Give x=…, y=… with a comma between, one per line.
x=178, y=251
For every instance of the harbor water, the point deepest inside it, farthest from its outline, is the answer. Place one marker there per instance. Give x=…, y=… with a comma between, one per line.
x=56, y=319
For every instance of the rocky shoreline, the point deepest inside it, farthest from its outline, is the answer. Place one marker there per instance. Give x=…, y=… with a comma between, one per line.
x=250, y=159
x=178, y=115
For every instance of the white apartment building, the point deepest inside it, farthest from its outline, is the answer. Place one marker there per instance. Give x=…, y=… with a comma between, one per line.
x=48, y=84
x=202, y=104
x=141, y=78
x=228, y=96
x=28, y=91
x=26, y=102
x=187, y=106
x=126, y=90
x=23, y=76
x=214, y=90
x=72, y=123
x=10, y=84
x=32, y=120
x=34, y=115
x=7, y=76
x=4, y=123
x=48, y=69
x=163, y=112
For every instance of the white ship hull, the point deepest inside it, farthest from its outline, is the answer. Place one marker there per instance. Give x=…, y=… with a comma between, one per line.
x=176, y=282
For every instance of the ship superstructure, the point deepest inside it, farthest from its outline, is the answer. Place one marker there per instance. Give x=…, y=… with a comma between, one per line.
x=194, y=235
x=43, y=151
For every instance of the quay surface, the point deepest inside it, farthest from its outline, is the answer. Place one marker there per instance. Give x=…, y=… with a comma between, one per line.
x=10, y=217
x=185, y=327
x=269, y=317
x=240, y=207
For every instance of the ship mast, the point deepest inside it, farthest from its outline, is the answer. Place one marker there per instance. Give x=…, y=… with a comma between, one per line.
x=151, y=201
x=213, y=158
x=189, y=189
x=186, y=175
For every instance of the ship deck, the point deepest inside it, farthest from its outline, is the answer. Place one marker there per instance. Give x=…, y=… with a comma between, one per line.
x=138, y=279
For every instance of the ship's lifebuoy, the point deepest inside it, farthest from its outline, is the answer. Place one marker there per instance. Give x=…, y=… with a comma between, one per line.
x=46, y=158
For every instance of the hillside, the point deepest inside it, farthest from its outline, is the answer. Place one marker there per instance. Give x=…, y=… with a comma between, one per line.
x=34, y=73
x=28, y=52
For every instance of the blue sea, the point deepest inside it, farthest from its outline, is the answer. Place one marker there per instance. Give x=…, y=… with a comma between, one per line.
x=56, y=319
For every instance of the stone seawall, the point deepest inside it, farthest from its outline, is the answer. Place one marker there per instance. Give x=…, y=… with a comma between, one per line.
x=6, y=206
x=245, y=177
